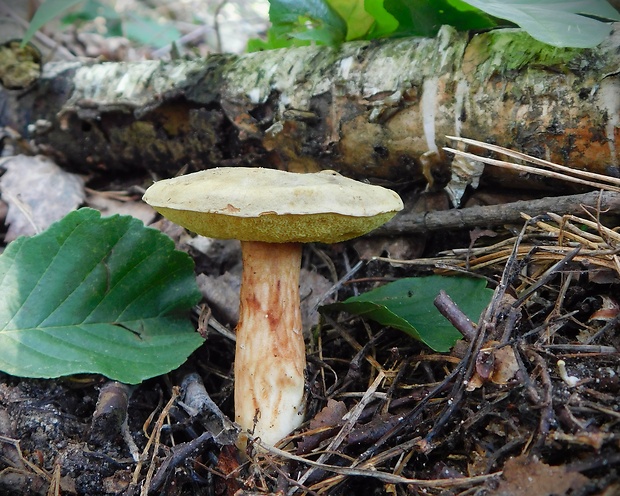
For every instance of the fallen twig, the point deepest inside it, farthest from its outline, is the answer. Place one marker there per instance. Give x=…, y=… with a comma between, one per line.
x=497, y=215
x=110, y=417
x=350, y=420
x=457, y=318
x=179, y=454
x=382, y=476
x=197, y=403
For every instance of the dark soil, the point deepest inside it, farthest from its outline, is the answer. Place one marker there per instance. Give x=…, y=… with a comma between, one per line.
x=478, y=420
x=386, y=415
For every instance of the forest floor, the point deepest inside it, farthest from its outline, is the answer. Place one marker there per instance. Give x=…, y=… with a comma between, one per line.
x=386, y=415
x=526, y=404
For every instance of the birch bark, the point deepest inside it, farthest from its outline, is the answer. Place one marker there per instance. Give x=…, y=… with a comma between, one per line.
x=376, y=110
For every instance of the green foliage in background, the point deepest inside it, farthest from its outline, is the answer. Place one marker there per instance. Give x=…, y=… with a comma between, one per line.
x=96, y=295
x=578, y=24
x=136, y=28
x=407, y=305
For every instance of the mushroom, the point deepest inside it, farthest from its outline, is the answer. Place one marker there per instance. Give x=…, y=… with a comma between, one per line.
x=272, y=213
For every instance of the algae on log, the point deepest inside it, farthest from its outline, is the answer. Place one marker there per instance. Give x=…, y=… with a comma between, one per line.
x=368, y=109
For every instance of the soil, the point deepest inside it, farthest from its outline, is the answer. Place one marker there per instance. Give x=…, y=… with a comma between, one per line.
x=385, y=413
x=493, y=416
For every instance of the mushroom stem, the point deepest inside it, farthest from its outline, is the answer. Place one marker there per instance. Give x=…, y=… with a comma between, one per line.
x=270, y=356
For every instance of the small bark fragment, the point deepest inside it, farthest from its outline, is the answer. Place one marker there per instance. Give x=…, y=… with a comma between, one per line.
x=111, y=413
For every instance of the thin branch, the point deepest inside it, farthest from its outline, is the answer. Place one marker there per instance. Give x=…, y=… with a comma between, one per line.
x=351, y=419
x=382, y=476
x=496, y=215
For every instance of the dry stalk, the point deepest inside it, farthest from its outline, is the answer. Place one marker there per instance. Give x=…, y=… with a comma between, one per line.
x=154, y=441
x=350, y=420
x=598, y=181
x=366, y=470
x=34, y=469
x=546, y=244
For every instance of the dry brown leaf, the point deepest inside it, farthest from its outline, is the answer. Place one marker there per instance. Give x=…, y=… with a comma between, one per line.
x=496, y=365
x=118, y=482
x=595, y=438
x=222, y=295
x=330, y=416
x=609, y=309
x=38, y=193
x=524, y=476
x=109, y=206
x=312, y=288
x=398, y=248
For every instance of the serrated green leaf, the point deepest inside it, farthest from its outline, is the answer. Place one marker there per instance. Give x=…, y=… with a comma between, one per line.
x=556, y=22
x=49, y=10
x=96, y=295
x=407, y=304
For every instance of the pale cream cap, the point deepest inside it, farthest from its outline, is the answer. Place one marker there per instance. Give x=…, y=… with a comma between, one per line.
x=256, y=204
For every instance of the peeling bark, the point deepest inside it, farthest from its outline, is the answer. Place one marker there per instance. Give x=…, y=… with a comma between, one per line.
x=374, y=110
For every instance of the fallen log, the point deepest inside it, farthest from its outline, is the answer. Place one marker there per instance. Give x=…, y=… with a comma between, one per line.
x=368, y=109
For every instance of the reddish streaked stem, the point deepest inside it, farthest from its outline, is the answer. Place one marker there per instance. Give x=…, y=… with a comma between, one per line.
x=270, y=357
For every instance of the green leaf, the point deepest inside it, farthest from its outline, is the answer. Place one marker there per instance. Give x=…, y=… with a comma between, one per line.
x=96, y=295
x=425, y=17
x=45, y=13
x=273, y=42
x=312, y=20
x=149, y=32
x=385, y=23
x=90, y=11
x=358, y=20
x=407, y=304
x=556, y=22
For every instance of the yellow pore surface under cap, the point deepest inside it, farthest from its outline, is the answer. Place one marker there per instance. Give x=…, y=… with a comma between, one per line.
x=254, y=204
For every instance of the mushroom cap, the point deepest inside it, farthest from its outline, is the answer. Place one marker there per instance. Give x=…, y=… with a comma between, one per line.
x=256, y=204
